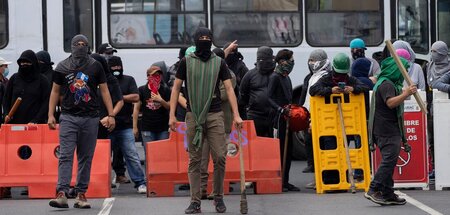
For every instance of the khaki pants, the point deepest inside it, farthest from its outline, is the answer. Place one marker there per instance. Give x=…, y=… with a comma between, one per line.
x=214, y=133
x=205, y=163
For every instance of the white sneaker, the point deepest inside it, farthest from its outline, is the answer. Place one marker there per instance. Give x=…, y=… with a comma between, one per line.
x=142, y=189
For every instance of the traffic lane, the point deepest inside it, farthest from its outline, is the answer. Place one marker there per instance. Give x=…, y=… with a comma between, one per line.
x=438, y=200
x=289, y=203
x=40, y=206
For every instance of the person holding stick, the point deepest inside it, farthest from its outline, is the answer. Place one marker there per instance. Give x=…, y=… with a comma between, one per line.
x=386, y=129
x=280, y=96
x=202, y=71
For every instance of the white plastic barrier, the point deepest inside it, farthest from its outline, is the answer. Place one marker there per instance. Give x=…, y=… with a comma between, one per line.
x=441, y=124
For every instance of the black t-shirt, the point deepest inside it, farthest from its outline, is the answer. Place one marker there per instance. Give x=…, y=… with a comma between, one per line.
x=155, y=117
x=124, y=118
x=114, y=92
x=79, y=90
x=216, y=102
x=385, y=120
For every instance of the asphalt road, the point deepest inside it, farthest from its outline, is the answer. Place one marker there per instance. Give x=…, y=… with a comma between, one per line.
x=126, y=200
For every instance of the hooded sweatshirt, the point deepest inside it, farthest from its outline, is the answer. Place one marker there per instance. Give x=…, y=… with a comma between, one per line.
x=79, y=76
x=254, y=85
x=46, y=65
x=320, y=67
x=439, y=63
x=32, y=87
x=415, y=71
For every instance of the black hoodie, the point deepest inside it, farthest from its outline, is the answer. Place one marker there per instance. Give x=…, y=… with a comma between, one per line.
x=32, y=87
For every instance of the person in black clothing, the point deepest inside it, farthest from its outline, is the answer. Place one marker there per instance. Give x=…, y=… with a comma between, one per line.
x=154, y=104
x=29, y=84
x=45, y=64
x=33, y=88
x=253, y=91
x=235, y=62
x=280, y=96
x=76, y=79
x=122, y=137
x=181, y=106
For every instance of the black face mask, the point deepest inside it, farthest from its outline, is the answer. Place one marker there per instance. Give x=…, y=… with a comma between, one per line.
x=232, y=58
x=43, y=67
x=358, y=54
x=266, y=65
x=118, y=73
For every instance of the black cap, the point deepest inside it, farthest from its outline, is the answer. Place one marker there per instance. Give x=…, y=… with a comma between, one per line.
x=105, y=48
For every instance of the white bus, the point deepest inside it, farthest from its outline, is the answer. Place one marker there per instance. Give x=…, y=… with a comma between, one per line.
x=146, y=31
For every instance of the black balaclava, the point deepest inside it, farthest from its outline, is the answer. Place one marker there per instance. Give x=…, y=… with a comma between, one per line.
x=203, y=47
x=47, y=63
x=116, y=61
x=102, y=61
x=31, y=72
x=234, y=56
x=264, y=60
x=80, y=54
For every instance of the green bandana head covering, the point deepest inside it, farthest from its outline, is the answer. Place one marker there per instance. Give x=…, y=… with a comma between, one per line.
x=389, y=72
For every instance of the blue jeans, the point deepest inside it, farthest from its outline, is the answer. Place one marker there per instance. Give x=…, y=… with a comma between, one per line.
x=124, y=139
x=149, y=136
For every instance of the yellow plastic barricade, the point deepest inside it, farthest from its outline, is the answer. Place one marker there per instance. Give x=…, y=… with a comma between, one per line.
x=328, y=143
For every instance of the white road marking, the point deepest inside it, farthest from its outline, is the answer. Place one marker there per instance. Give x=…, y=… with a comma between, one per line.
x=107, y=206
x=418, y=204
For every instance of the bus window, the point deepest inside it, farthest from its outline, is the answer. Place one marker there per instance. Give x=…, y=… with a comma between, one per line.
x=3, y=23
x=337, y=22
x=413, y=24
x=443, y=24
x=257, y=22
x=77, y=15
x=154, y=23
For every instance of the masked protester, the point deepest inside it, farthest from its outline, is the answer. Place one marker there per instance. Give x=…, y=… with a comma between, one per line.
x=76, y=79
x=154, y=105
x=45, y=64
x=32, y=87
x=357, y=49
x=386, y=129
x=415, y=71
x=202, y=72
x=253, y=91
x=318, y=66
x=122, y=138
x=280, y=96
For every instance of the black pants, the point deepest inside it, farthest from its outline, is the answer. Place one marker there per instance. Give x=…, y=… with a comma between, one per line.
x=118, y=163
x=390, y=149
x=263, y=126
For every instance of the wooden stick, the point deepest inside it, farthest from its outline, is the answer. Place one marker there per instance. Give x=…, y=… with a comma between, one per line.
x=347, y=151
x=244, y=205
x=405, y=75
x=13, y=110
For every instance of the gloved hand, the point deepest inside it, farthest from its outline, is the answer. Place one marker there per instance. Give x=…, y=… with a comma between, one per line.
x=406, y=147
x=284, y=110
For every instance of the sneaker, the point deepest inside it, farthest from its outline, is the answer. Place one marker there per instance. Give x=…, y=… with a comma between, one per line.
x=60, y=201
x=142, y=189
x=291, y=187
x=81, y=202
x=309, y=168
x=121, y=179
x=375, y=197
x=194, y=208
x=220, y=205
x=210, y=196
x=395, y=200
x=311, y=185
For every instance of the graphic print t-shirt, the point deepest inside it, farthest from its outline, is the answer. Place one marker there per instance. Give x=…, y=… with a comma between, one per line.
x=79, y=90
x=155, y=117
